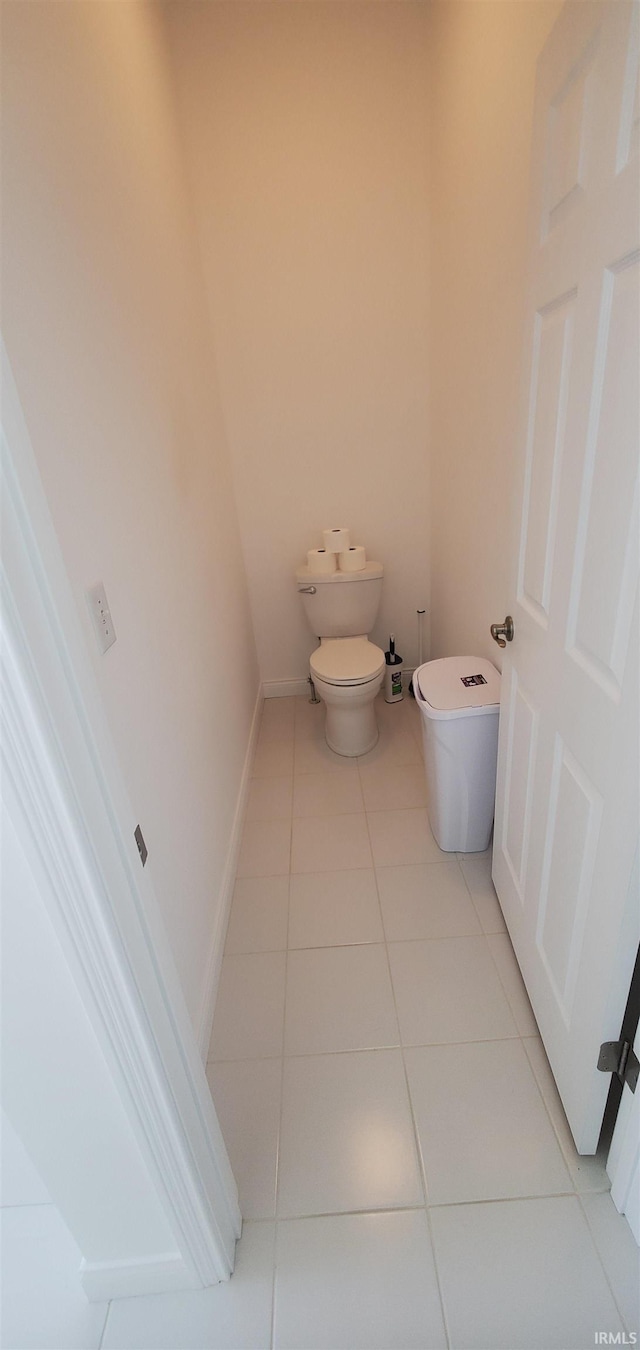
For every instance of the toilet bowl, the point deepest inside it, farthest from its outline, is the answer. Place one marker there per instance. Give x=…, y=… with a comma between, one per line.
x=347, y=674
x=347, y=669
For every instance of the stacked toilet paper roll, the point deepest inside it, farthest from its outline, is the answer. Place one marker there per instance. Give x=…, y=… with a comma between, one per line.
x=352, y=559
x=320, y=561
x=336, y=539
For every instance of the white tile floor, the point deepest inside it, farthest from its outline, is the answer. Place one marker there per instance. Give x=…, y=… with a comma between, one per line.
x=405, y=1169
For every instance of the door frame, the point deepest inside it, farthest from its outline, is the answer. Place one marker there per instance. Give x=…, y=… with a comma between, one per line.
x=63, y=786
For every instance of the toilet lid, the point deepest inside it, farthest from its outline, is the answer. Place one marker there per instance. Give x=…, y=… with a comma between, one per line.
x=347, y=661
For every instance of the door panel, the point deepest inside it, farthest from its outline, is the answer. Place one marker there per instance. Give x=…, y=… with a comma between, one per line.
x=519, y=772
x=573, y=825
x=604, y=579
x=551, y=364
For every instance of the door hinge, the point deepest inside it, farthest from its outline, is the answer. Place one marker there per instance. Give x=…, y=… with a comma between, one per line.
x=620, y=1058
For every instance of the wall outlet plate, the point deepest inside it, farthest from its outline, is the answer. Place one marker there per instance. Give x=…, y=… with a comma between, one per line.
x=101, y=615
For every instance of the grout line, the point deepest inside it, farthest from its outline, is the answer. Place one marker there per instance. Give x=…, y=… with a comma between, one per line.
x=363, y=942
x=439, y=1284
x=375, y=1049
x=417, y=1208
x=627, y=1325
x=504, y=983
x=547, y=1108
x=471, y=896
x=501, y=984
x=350, y=1213
x=104, y=1325
x=503, y=1200
x=422, y=1170
x=404, y=1067
x=274, y=1270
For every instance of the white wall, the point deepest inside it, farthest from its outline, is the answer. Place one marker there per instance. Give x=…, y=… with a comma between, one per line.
x=306, y=132
x=483, y=58
x=108, y=337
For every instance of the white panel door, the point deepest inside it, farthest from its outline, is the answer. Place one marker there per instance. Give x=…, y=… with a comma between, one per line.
x=567, y=799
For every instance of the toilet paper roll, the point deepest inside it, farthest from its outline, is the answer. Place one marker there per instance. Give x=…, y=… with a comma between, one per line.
x=336, y=540
x=320, y=561
x=352, y=559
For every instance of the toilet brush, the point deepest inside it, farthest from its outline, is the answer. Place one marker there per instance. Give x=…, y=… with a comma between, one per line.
x=392, y=674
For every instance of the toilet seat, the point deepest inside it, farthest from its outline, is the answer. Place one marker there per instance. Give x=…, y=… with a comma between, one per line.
x=347, y=661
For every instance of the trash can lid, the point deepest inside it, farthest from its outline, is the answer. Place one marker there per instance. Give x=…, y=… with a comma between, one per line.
x=458, y=682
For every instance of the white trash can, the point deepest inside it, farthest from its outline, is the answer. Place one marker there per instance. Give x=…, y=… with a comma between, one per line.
x=459, y=702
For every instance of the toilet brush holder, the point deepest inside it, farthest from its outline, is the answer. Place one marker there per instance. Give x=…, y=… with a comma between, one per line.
x=392, y=674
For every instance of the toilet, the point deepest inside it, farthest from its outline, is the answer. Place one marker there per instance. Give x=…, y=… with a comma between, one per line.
x=347, y=670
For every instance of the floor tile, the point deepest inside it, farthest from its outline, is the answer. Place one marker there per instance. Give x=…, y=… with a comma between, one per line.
x=43, y=1303
x=396, y=746
x=258, y=918
x=278, y=719
x=587, y=1172
x=312, y=755
x=249, y=1016
x=476, y=870
x=339, y=998
x=520, y=1276
x=426, y=900
x=357, y=1282
x=330, y=842
x=265, y=849
x=327, y=794
x=399, y=837
x=619, y=1255
x=389, y=787
x=403, y=713
x=483, y=1129
x=273, y=759
x=512, y=983
x=447, y=990
x=269, y=799
x=347, y=1139
x=246, y=1095
x=308, y=718
x=235, y=1315
x=328, y=909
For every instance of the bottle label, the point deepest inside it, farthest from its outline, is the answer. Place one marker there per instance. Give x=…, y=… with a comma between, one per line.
x=396, y=683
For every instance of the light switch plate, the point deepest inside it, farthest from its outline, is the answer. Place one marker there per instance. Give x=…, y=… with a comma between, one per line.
x=101, y=615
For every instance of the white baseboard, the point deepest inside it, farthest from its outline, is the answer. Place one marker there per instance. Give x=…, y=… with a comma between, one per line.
x=285, y=688
x=298, y=688
x=205, y=1021
x=102, y=1280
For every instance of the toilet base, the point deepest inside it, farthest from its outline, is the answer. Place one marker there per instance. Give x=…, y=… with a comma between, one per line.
x=337, y=748
x=351, y=727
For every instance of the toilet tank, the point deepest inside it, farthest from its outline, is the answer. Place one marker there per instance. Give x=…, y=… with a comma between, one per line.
x=342, y=604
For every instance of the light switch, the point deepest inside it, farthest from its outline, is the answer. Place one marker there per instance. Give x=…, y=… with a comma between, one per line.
x=101, y=615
